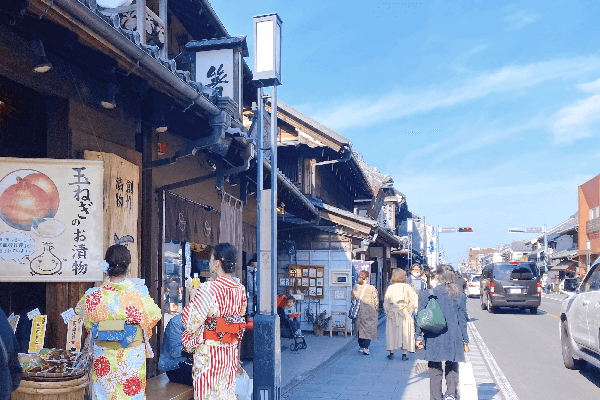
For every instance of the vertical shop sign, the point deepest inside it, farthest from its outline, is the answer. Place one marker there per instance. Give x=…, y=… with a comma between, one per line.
x=121, y=205
x=50, y=224
x=360, y=265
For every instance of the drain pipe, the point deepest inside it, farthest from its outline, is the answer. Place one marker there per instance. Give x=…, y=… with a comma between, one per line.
x=313, y=170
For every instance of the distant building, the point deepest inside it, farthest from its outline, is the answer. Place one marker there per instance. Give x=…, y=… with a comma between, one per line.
x=589, y=213
x=476, y=255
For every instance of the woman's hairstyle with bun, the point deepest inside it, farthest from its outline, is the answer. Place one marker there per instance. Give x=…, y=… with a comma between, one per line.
x=227, y=254
x=118, y=258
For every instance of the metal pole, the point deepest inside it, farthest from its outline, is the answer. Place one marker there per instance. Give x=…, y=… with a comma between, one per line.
x=545, y=248
x=437, y=244
x=273, y=199
x=425, y=243
x=259, y=189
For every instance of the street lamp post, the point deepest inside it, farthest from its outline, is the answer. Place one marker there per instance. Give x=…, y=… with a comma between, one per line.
x=267, y=343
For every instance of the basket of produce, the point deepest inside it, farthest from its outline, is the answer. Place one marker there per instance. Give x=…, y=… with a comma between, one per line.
x=53, y=374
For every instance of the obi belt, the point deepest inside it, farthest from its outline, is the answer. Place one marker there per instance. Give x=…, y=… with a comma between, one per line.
x=117, y=332
x=225, y=329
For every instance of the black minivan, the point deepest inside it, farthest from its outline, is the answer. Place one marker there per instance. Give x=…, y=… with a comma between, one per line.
x=510, y=284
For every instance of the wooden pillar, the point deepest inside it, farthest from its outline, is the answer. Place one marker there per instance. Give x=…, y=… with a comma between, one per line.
x=149, y=268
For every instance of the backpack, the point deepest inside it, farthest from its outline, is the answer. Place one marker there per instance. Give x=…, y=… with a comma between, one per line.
x=418, y=283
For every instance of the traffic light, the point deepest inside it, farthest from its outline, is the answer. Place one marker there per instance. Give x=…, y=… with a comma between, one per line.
x=465, y=229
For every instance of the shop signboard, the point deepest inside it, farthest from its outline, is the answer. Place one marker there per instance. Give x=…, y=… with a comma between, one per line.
x=121, y=204
x=50, y=220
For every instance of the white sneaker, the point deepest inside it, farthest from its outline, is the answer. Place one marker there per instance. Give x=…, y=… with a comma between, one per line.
x=366, y=352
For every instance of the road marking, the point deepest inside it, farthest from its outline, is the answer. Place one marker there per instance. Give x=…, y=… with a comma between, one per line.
x=507, y=391
x=550, y=315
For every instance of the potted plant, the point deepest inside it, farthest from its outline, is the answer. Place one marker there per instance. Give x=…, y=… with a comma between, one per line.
x=320, y=322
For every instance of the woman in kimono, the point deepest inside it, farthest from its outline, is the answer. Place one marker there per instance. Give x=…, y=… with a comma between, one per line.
x=119, y=367
x=214, y=325
x=366, y=321
x=399, y=303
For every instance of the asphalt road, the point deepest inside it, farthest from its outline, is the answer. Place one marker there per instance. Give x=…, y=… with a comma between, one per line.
x=527, y=350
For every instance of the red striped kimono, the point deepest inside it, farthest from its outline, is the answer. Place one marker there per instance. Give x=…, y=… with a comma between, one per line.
x=215, y=361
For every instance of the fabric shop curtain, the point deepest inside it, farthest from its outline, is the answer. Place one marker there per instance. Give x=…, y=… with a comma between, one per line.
x=186, y=221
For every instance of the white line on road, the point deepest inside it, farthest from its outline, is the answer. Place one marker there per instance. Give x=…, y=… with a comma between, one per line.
x=507, y=391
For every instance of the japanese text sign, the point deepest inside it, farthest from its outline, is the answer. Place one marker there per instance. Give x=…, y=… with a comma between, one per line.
x=50, y=220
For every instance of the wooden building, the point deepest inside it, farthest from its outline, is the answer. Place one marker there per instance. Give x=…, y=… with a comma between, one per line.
x=78, y=81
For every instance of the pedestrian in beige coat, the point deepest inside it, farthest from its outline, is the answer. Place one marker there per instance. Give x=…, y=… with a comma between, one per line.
x=399, y=303
x=366, y=321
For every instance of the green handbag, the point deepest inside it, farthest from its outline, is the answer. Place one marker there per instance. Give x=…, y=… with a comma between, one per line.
x=431, y=318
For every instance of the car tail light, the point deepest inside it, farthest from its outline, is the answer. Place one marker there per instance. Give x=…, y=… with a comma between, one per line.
x=539, y=286
x=492, y=287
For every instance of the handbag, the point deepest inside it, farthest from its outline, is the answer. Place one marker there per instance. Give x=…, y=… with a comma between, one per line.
x=466, y=380
x=431, y=318
x=355, y=304
x=243, y=385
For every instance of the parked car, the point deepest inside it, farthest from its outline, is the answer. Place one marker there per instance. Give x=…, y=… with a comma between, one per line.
x=510, y=284
x=580, y=322
x=473, y=285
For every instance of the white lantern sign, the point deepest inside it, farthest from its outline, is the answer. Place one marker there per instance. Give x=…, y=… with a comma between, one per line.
x=267, y=50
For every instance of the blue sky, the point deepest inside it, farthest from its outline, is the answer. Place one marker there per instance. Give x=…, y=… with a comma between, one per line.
x=486, y=114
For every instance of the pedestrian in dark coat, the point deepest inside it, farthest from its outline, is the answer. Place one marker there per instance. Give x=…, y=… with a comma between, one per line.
x=10, y=369
x=450, y=345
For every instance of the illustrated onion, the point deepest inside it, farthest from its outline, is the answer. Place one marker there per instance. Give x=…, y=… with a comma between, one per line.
x=23, y=201
x=42, y=181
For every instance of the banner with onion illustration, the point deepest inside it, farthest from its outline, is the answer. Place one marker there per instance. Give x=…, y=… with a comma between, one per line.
x=50, y=220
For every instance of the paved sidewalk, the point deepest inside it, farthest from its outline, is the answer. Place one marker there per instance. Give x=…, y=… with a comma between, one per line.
x=352, y=375
x=333, y=368
x=295, y=365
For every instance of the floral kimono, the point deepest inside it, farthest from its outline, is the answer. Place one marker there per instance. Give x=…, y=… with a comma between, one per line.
x=118, y=372
x=214, y=325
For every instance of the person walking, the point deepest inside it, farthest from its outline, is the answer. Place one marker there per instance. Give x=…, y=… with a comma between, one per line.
x=450, y=345
x=415, y=279
x=399, y=303
x=366, y=321
x=10, y=368
x=214, y=326
x=119, y=366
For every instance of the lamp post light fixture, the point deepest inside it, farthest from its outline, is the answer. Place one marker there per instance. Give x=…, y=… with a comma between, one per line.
x=267, y=50
x=267, y=349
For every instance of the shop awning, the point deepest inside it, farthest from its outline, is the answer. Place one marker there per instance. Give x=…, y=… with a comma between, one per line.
x=565, y=265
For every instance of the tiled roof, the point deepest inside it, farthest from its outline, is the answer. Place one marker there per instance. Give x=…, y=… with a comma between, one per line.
x=520, y=245
x=350, y=215
x=309, y=121
x=220, y=43
x=571, y=223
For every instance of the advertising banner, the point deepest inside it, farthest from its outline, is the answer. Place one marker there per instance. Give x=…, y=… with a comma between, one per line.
x=50, y=220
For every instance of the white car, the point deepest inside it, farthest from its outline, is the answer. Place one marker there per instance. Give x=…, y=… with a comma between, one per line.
x=580, y=322
x=473, y=286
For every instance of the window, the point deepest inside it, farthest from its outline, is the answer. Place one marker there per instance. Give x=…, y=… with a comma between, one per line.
x=592, y=281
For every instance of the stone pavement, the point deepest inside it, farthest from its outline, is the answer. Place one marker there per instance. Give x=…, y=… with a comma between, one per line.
x=333, y=368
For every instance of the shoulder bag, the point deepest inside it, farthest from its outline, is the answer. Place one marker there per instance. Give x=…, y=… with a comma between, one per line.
x=431, y=318
x=355, y=304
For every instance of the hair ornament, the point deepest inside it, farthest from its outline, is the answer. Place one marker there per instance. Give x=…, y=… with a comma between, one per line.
x=104, y=265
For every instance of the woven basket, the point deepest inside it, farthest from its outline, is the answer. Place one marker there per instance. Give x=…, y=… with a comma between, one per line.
x=73, y=389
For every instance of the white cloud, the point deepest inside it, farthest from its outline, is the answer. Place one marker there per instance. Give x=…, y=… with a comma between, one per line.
x=397, y=104
x=521, y=18
x=591, y=87
x=573, y=122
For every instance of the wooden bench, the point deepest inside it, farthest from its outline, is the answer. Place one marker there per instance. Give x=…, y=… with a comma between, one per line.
x=160, y=388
